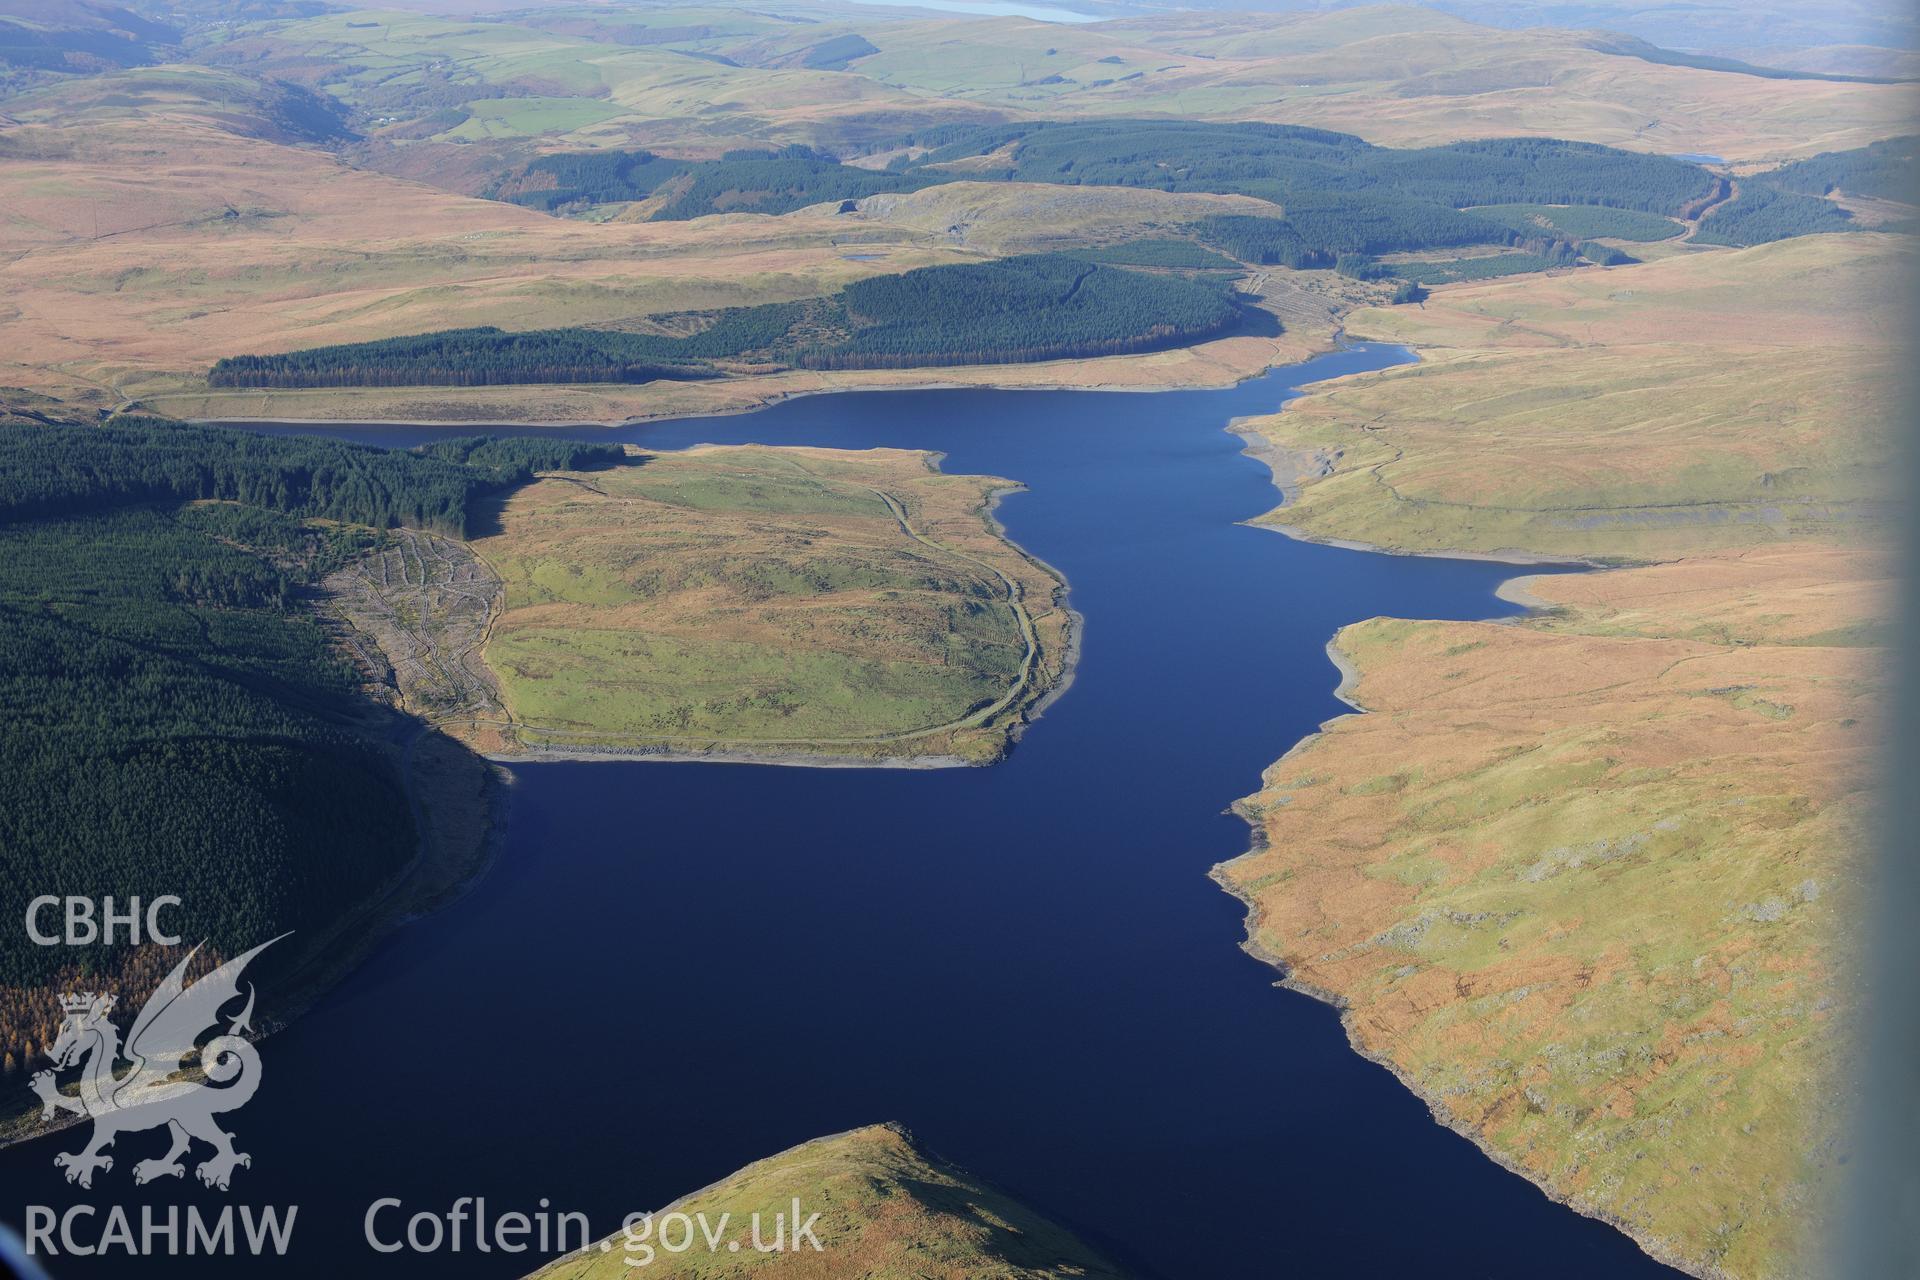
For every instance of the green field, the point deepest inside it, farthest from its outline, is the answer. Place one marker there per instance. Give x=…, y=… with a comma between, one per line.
x=522, y=117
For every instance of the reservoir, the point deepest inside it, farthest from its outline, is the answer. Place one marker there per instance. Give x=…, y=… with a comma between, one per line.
x=676, y=969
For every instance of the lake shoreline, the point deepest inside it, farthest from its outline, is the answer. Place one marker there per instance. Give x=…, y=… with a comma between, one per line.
x=1655, y=1249
x=1314, y=348
x=1350, y=674
x=1301, y=465
x=1290, y=468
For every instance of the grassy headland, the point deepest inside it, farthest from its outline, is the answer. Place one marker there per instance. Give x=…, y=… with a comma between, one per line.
x=771, y=601
x=1704, y=401
x=888, y=1211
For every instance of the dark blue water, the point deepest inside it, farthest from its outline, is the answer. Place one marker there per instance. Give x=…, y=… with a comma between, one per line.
x=676, y=969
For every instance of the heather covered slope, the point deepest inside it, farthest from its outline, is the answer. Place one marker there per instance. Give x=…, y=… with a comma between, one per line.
x=1587, y=883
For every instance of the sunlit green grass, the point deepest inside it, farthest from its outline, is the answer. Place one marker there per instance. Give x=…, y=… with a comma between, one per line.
x=527, y=117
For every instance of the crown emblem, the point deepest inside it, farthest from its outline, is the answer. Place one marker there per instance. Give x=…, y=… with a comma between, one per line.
x=84, y=1001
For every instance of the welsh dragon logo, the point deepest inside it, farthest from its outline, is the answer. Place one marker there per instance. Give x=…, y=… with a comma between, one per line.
x=151, y=1094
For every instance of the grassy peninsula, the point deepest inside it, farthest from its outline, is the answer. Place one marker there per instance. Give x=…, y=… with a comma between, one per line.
x=777, y=603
